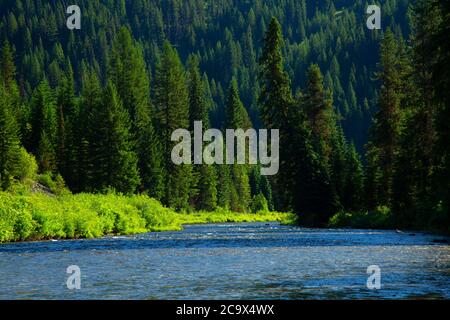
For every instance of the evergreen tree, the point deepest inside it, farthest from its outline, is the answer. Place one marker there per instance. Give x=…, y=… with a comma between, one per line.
x=411, y=189
x=128, y=72
x=226, y=192
x=303, y=176
x=319, y=109
x=236, y=117
x=275, y=98
x=9, y=140
x=338, y=162
x=352, y=197
x=266, y=190
x=8, y=79
x=441, y=81
x=172, y=105
x=85, y=133
x=386, y=127
x=44, y=127
x=8, y=71
x=314, y=198
x=275, y=102
x=203, y=181
x=112, y=158
x=67, y=109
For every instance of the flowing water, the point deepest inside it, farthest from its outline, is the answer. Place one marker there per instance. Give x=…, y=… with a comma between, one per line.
x=231, y=261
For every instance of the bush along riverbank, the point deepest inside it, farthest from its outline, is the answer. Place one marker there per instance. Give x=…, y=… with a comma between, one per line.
x=39, y=216
x=426, y=220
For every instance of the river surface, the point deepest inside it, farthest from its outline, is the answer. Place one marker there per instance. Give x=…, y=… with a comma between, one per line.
x=231, y=261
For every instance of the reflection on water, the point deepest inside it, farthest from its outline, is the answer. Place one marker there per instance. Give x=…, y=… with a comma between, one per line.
x=231, y=261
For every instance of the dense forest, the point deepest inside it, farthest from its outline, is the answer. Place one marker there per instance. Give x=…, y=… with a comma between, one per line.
x=363, y=114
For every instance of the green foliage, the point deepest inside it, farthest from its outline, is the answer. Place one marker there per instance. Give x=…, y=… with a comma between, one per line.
x=275, y=102
x=224, y=216
x=406, y=157
x=67, y=114
x=204, y=177
x=9, y=140
x=171, y=101
x=275, y=98
x=114, y=133
x=379, y=218
x=39, y=216
x=128, y=72
x=319, y=110
x=352, y=198
x=236, y=117
x=26, y=166
x=207, y=188
x=54, y=182
x=259, y=203
x=386, y=127
x=225, y=189
x=441, y=82
x=44, y=127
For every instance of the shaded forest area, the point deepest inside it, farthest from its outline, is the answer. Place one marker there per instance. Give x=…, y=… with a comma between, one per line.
x=95, y=108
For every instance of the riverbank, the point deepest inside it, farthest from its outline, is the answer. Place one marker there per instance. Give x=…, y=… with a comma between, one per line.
x=38, y=216
x=382, y=218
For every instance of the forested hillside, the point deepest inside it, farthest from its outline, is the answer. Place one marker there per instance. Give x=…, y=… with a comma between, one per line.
x=363, y=114
x=226, y=35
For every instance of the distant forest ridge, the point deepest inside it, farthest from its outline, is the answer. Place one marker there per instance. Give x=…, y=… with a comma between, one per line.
x=227, y=37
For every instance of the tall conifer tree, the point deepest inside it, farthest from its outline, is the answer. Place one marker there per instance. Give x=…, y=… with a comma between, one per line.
x=112, y=157
x=236, y=117
x=204, y=179
x=44, y=127
x=9, y=140
x=386, y=127
x=171, y=100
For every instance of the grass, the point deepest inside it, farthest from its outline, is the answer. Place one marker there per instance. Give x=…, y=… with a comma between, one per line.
x=223, y=216
x=27, y=217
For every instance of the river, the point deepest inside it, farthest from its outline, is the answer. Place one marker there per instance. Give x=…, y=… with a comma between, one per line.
x=231, y=261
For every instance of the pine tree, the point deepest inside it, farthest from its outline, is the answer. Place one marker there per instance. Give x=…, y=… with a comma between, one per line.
x=441, y=50
x=9, y=140
x=44, y=127
x=275, y=102
x=338, y=162
x=303, y=183
x=226, y=192
x=8, y=71
x=327, y=139
x=112, y=158
x=67, y=109
x=313, y=196
x=128, y=72
x=8, y=79
x=386, y=127
x=86, y=134
x=266, y=190
x=276, y=97
x=319, y=109
x=172, y=105
x=352, y=197
x=236, y=117
x=203, y=181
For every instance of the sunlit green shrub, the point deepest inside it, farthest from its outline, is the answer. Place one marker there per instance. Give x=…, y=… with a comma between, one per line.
x=28, y=216
x=379, y=218
x=16, y=222
x=25, y=167
x=53, y=182
x=259, y=203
